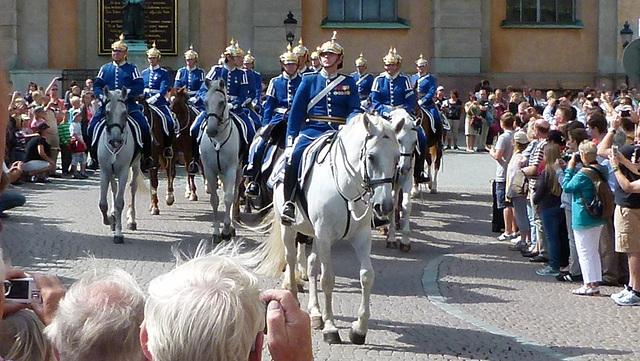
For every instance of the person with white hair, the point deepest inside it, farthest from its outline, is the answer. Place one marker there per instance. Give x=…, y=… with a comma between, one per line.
x=210, y=308
x=99, y=319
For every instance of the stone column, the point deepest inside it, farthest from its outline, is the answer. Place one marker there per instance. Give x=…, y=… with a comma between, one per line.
x=458, y=41
x=9, y=32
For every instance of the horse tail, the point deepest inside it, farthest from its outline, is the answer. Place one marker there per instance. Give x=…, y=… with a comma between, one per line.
x=265, y=216
x=142, y=186
x=269, y=256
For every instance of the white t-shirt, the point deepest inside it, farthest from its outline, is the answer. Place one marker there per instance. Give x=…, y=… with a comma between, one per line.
x=504, y=142
x=76, y=129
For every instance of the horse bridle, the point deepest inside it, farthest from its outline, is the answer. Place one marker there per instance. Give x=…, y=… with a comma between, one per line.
x=109, y=126
x=220, y=119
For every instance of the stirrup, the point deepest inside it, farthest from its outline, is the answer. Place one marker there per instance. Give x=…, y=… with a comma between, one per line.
x=193, y=168
x=168, y=152
x=253, y=190
x=288, y=218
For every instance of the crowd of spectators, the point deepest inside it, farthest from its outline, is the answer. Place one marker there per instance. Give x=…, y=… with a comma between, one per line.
x=550, y=153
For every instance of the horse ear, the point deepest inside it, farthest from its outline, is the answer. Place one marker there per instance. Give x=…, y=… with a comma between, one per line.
x=418, y=122
x=106, y=89
x=207, y=83
x=367, y=122
x=399, y=125
x=221, y=83
x=125, y=91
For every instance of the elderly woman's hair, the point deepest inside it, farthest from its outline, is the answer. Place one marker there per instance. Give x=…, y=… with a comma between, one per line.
x=588, y=148
x=207, y=308
x=99, y=319
x=22, y=338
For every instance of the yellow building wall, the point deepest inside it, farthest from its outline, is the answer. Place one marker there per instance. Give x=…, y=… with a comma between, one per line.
x=213, y=31
x=374, y=43
x=547, y=51
x=63, y=37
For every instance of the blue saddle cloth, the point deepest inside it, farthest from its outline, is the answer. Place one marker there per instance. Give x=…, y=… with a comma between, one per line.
x=133, y=126
x=310, y=154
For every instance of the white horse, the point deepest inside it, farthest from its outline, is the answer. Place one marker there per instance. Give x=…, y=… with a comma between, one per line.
x=220, y=156
x=408, y=141
x=342, y=192
x=116, y=155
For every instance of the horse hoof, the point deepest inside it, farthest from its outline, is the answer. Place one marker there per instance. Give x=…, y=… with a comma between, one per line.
x=433, y=191
x=384, y=231
x=132, y=226
x=193, y=197
x=118, y=239
x=405, y=247
x=392, y=245
x=170, y=200
x=356, y=338
x=106, y=220
x=217, y=239
x=228, y=236
x=187, y=195
x=155, y=211
x=317, y=323
x=332, y=337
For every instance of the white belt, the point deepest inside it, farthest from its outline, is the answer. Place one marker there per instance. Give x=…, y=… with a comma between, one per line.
x=153, y=91
x=281, y=110
x=232, y=97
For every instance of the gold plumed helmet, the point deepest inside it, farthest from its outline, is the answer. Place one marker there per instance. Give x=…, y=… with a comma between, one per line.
x=361, y=61
x=289, y=57
x=153, y=52
x=120, y=44
x=332, y=46
x=191, y=54
x=392, y=57
x=300, y=50
x=421, y=61
x=249, y=59
x=233, y=49
x=316, y=54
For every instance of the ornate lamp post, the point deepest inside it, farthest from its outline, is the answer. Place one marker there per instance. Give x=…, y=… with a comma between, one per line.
x=290, y=25
x=626, y=34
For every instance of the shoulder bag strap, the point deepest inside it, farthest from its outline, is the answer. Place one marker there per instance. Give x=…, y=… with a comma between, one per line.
x=325, y=91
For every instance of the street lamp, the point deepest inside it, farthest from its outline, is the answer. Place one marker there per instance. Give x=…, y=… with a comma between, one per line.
x=625, y=35
x=290, y=25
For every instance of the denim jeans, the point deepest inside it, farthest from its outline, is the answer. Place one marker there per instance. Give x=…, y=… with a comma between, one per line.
x=10, y=199
x=551, y=224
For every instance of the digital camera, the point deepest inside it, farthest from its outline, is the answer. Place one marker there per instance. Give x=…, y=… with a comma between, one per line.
x=23, y=290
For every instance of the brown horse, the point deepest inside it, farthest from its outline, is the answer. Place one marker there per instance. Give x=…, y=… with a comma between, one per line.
x=157, y=149
x=185, y=115
x=433, y=151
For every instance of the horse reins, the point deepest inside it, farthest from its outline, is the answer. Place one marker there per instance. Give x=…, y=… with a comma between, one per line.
x=217, y=146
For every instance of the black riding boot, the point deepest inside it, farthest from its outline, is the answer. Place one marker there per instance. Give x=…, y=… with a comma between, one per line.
x=418, y=170
x=290, y=184
x=253, y=189
x=147, y=160
x=195, y=156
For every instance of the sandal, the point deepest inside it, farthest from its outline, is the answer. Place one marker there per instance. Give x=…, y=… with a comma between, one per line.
x=587, y=291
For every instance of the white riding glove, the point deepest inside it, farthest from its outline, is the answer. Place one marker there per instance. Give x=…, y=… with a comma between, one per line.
x=193, y=100
x=288, y=152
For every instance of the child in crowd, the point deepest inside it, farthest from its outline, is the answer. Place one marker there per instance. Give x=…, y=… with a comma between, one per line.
x=77, y=144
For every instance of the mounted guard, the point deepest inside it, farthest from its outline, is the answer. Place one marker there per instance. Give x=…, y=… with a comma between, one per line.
x=156, y=85
x=191, y=77
x=249, y=65
x=115, y=75
x=324, y=100
x=302, y=52
x=364, y=81
x=238, y=90
x=280, y=94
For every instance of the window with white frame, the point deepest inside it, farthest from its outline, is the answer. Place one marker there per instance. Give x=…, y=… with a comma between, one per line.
x=542, y=12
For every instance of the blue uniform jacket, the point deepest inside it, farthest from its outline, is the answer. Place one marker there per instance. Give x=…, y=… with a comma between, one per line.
x=255, y=85
x=426, y=87
x=190, y=79
x=280, y=95
x=115, y=77
x=236, y=81
x=156, y=84
x=342, y=101
x=364, y=83
x=390, y=92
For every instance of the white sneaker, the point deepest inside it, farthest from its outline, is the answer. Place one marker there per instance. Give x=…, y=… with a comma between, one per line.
x=516, y=239
x=414, y=192
x=620, y=294
x=504, y=237
x=629, y=299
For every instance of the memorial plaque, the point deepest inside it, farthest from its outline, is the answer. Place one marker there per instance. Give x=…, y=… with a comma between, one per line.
x=160, y=24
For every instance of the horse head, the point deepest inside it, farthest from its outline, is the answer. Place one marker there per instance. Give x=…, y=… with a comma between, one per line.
x=379, y=154
x=217, y=116
x=407, y=138
x=115, y=111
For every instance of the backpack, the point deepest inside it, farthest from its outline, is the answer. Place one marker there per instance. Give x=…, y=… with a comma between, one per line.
x=603, y=205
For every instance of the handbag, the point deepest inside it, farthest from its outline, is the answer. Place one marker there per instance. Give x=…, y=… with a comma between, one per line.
x=519, y=185
x=476, y=122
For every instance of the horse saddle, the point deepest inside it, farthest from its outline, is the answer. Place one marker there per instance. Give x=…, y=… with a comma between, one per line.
x=317, y=149
x=133, y=126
